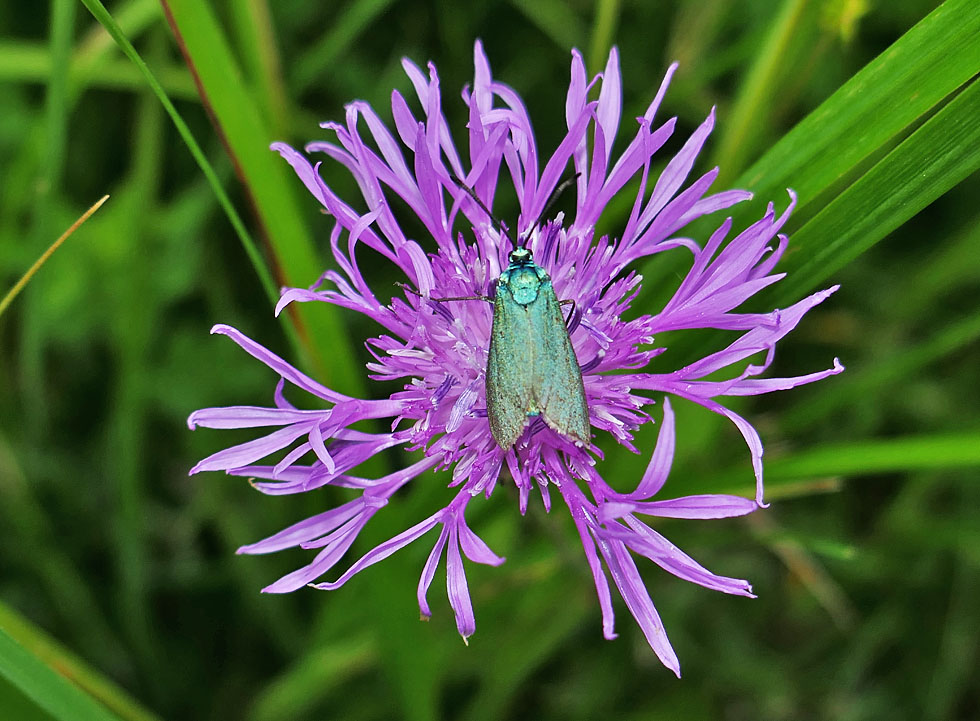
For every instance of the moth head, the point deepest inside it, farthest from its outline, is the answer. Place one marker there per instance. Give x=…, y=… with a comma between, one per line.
x=520, y=256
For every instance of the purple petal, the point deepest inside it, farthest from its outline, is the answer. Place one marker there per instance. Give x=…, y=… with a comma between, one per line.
x=482, y=96
x=324, y=561
x=303, y=169
x=655, y=105
x=610, y=102
x=756, y=386
x=713, y=203
x=459, y=593
x=259, y=352
x=248, y=417
x=251, y=451
x=644, y=540
x=476, y=548
x=663, y=456
x=576, y=96
x=429, y=572
x=306, y=530
x=677, y=170
x=705, y=506
x=630, y=585
x=556, y=164
x=381, y=552
x=574, y=501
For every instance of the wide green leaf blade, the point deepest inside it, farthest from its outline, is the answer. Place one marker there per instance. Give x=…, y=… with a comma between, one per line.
x=856, y=161
x=48, y=690
x=267, y=180
x=941, y=451
x=893, y=92
x=925, y=165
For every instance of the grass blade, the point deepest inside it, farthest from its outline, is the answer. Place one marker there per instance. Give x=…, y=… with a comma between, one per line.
x=740, y=132
x=74, y=692
x=892, y=93
x=266, y=179
x=25, y=279
x=925, y=165
x=100, y=13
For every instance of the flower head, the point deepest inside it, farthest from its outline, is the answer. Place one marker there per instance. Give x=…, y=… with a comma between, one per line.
x=438, y=349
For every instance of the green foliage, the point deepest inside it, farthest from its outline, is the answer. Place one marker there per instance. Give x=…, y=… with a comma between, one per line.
x=867, y=565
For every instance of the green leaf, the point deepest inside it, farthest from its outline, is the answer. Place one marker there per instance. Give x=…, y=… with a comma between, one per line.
x=925, y=165
x=256, y=35
x=892, y=93
x=937, y=452
x=266, y=177
x=893, y=455
x=28, y=660
x=47, y=689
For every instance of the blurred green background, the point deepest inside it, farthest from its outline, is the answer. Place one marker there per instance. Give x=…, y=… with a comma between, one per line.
x=117, y=570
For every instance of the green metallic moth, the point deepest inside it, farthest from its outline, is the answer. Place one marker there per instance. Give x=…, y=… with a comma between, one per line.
x=531, y=365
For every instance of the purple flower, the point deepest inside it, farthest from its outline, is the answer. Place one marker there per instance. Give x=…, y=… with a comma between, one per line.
x=438, y=350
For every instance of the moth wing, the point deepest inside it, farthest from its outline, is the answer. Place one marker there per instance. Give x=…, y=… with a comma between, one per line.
x=557, y=378
x=509, y=363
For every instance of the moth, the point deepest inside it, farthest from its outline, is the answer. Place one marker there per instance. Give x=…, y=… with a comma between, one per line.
x=531, y=365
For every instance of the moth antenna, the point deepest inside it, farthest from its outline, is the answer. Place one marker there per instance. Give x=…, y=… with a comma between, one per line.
x=555, y=195
x=476, y=199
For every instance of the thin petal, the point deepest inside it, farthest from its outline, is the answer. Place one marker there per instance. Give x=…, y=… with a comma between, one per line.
x=251, y=451
x=429, y=572
x=634, y=592
x=457, y=588
x=610, y=102
x=381, y=552
x=663, y=456
x=306, y=529
x=284, y=369
x=716, y=505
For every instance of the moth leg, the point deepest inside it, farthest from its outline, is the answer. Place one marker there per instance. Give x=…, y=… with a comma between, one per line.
x=568, y=318
x=406, y=287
